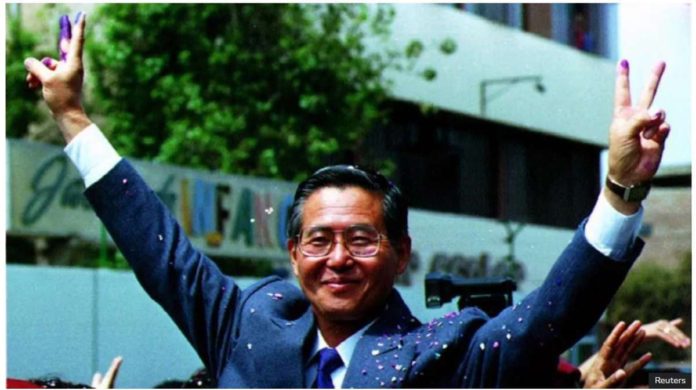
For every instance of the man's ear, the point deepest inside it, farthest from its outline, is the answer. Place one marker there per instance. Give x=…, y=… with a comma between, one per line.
x=403, y=254
x=290, y=243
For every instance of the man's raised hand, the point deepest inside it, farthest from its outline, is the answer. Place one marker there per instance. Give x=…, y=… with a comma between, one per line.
x=637, y=134
x=61, y=83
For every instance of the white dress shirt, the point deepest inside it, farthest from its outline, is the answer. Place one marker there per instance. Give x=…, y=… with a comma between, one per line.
x=345, y=350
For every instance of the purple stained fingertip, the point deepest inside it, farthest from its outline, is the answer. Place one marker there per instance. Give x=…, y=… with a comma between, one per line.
x=624, y=64
x=65, y=27
x=64, y=37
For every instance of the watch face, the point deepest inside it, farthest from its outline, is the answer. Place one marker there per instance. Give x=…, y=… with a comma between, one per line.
x=638, y=193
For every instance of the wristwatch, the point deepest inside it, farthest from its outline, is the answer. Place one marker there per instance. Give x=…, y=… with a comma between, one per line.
x=634, y=193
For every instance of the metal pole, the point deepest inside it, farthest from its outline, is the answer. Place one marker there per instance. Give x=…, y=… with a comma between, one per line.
x=482, y=98
x=102, y=246
x=509, y=81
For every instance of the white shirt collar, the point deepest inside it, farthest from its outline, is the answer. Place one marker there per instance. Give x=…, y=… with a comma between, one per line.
x=345, y=350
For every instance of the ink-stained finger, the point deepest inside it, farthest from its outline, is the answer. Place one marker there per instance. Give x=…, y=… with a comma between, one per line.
x=64, y=37
x=622, y=89
x=650, y=90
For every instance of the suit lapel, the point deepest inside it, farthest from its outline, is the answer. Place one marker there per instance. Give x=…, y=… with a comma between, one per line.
x=291, y=350
x=381, y=357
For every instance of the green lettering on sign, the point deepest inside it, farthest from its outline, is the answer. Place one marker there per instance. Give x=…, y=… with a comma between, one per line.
x=72, y=196
x=45, y=186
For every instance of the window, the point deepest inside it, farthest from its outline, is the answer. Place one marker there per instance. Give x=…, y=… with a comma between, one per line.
x=454, y=163
x=586, y=27
x=537, y=19
x=507, y=14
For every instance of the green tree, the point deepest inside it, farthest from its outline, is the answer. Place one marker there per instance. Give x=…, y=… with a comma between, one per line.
x=653, y=292
x=269, y=90
x=21, y=106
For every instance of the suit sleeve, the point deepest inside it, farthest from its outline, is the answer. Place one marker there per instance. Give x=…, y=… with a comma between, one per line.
x=520, y=346
x=186, y=283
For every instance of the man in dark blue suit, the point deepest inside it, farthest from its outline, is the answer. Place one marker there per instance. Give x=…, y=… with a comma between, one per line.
x=347, y=326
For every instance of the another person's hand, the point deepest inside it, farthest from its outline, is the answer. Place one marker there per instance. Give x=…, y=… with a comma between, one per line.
x=610, y=367
x=108, y=380
x=667, y=331
x=637, y=135
x=61, y=83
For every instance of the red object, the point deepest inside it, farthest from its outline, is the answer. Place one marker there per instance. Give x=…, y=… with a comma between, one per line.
x=564, y=367
x=21, y=384
x=567, y=375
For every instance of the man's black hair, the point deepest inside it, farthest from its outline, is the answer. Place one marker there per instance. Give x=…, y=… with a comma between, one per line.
x=394, y=207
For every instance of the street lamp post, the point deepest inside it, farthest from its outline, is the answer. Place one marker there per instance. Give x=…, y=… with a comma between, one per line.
x=485, y=98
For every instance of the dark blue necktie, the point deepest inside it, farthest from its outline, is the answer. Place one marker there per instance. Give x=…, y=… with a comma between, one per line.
x=329, y=360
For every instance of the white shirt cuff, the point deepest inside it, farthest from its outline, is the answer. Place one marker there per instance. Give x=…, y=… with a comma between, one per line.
x=611, y=232
x=92, y=154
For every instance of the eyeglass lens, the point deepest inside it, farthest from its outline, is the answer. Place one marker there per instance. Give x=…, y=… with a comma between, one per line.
x=360, y=240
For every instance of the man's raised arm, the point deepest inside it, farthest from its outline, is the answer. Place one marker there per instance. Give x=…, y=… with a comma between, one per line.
x=184, y=281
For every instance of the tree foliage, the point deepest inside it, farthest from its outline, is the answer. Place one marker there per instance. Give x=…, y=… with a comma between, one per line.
x=269, y=90
x=22, y=107
x=652, y=292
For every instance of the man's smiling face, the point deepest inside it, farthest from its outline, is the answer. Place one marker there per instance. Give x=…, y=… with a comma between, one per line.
x=339, y=285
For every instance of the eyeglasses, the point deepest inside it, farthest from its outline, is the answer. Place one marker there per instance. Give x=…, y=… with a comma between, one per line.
x=359, y=240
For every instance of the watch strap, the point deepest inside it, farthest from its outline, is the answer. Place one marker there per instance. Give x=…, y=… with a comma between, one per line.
x=634, y=193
